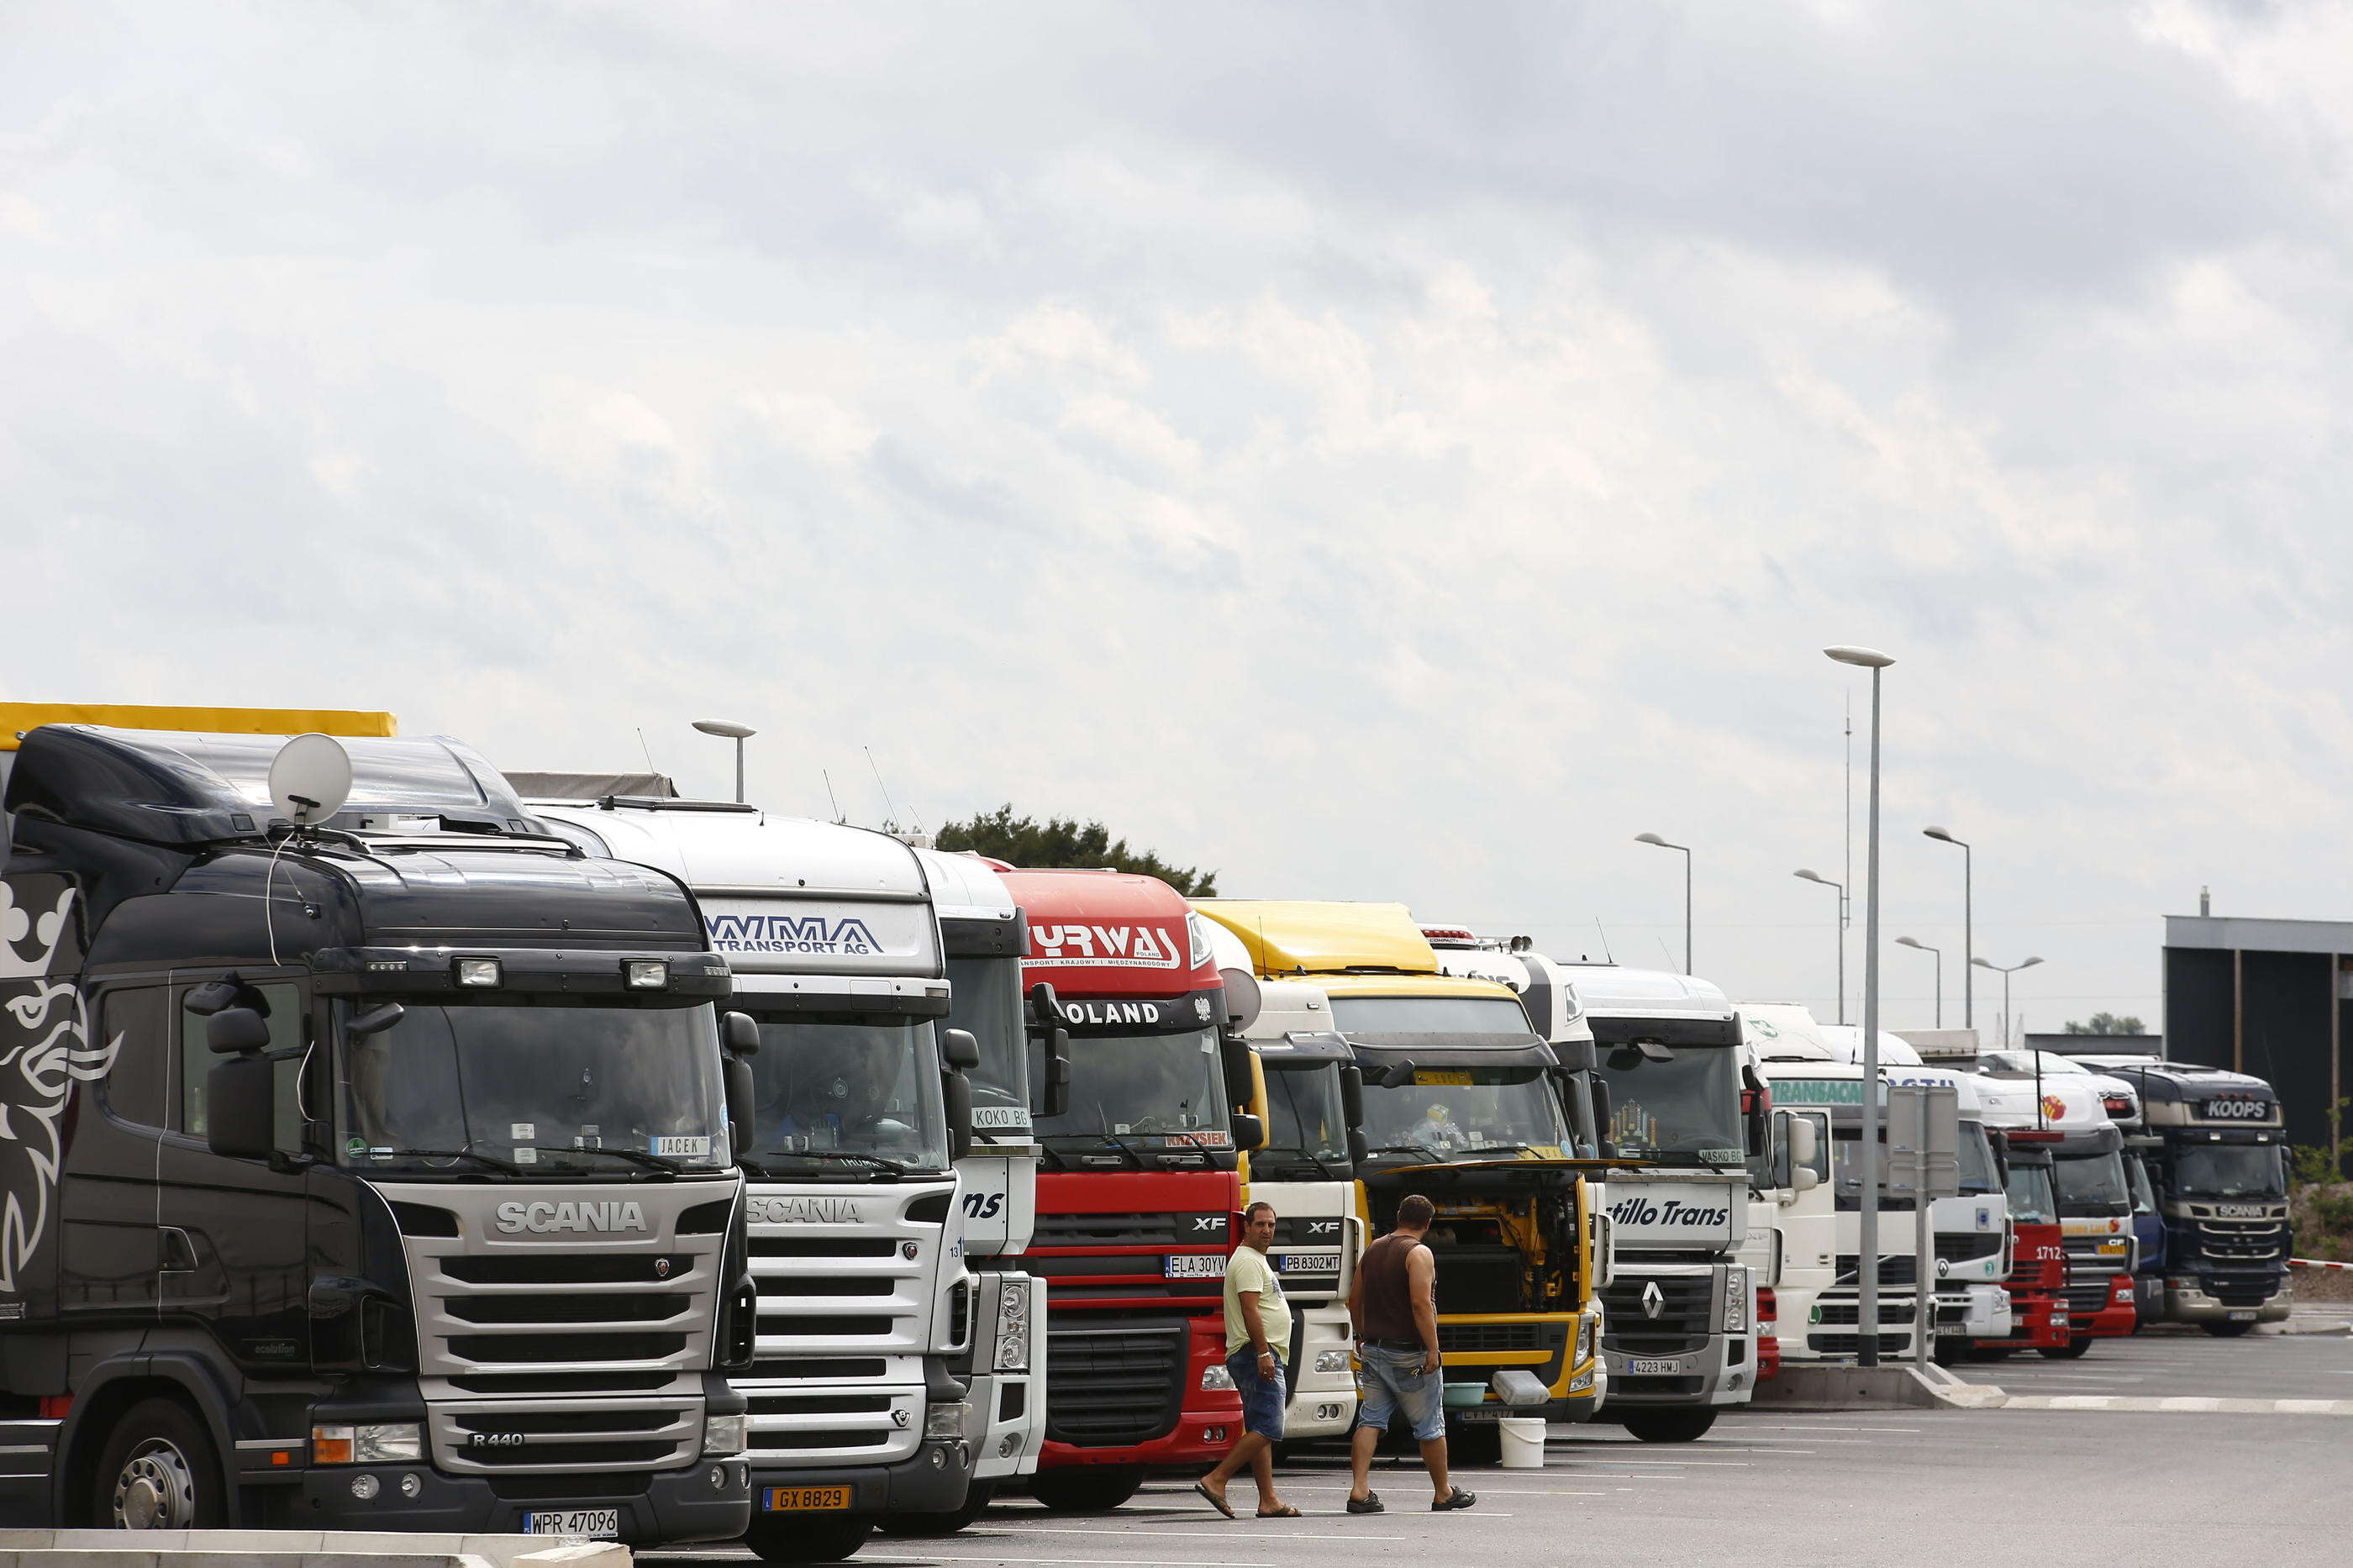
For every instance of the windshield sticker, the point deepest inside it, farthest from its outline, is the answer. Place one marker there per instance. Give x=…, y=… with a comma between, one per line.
x=525, y=1154
x=686, y=1148
x=999, y=1116
x=1441, y=1078
x=522, y=1131
x=355, y=1145
x=1201, y=1140
x=1723, y=1156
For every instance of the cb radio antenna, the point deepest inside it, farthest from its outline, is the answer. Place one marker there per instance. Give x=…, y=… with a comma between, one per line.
x=888, y=803
x=826, y=776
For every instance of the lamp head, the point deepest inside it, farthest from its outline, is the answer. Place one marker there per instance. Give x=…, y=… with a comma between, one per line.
x=1939, y=834
x=1867, y=658
x=1913, y=941
x=2030, y=963
x=722, y=728
x=1984, y=964
x=1806, y=875
x=1650, y=838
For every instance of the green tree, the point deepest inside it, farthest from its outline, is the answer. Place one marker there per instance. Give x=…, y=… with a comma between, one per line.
x=2108, y=1024
x=1065, y=841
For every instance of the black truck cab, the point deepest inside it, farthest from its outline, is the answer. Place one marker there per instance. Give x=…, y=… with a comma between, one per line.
x=370, y=1174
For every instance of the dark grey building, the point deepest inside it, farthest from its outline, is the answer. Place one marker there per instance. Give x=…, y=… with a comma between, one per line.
x=2266, y=997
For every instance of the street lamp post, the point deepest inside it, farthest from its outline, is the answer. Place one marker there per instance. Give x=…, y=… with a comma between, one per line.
x=1867, y=1272
x=1840, y=888
x=1655, y=838
x=1924, y=947
x=735, y=732
x=1968, y=929
x=2006, y=973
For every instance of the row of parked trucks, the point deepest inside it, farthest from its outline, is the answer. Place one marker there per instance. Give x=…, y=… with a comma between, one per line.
x=422, y=1147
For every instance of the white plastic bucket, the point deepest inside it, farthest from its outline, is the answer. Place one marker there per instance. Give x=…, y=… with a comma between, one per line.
x=1524, y=1440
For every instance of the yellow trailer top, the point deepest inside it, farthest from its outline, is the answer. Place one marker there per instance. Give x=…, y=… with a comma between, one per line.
x=1296, y=936
x=15, y=718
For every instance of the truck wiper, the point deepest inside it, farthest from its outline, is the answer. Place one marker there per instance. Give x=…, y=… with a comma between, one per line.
x=1428, y=1154
x=637, y=1156
x=1124, y=1149
x=893, y=1166
x=494, y=1164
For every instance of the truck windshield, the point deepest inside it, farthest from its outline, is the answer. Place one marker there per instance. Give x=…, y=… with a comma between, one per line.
x=547, y=1084
x=859, y=1099
x=1450, y=1112
x=985, y=996
x=1306, y=1124
x=1979, y=1176
x=2227, y=1170
x=1144, y=1088
x=2091, y=1185
x=1683, y=1110
x=2033, y=1199
x=1846, y=1168
x=1429, y=1015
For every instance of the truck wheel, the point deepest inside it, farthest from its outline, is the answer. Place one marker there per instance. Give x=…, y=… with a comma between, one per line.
x=1086, y=1489
x=1687, y=1425
x=158, y=1471
x=2071, y=1350
x=2226, y=1331
x=775, y=1538
x=1474, y=1443
x=1951, y=1351
x=976, y=1502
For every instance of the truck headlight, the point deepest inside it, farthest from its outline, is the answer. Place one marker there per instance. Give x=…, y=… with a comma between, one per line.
x=724, y=1435
x=1584, y=1342
x=1330, y=1360
x=375, y=1443
x=1012, y=1347
x=1736, y=1299
x=1215, y=1378
x=945, y=1421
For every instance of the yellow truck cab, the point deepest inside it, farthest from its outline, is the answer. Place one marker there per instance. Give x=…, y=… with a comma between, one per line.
x=1461, y=1103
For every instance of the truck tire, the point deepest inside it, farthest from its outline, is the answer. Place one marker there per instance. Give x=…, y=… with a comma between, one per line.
x=2226, y=1331
x=2073, y=1349
x=786, y=1538
x=1687, y=1424
x=1087, y=1488
x=157, y=1470
x=976, y=1502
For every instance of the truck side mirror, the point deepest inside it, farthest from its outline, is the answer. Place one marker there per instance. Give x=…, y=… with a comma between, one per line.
x=1601, y=1114
x=1804, y=1178
x=376, y=1019
x=1397, y=1074
x=960, y=1048
x=1249, y=1132
x=1049, y=1074
x=1805, y=1142
x=236, y=1029
x=740, y=1034
x=735, y=1074
x=240, y=1107
x=1352, y=1112
x=956, y=1089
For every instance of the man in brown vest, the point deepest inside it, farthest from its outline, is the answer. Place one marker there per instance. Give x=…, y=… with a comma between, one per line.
x=1393, y=1306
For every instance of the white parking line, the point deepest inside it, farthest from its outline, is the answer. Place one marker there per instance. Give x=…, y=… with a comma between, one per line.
x=1126, y=1561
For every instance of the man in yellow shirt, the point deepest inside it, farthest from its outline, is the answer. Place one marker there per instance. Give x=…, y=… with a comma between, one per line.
x=1258, y=1335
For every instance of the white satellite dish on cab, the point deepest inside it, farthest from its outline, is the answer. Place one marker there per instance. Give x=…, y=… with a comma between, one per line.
x=309, y=779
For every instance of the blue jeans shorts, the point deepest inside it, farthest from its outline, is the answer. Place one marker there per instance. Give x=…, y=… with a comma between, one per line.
x=1393, y=1381
x=1263, y=1400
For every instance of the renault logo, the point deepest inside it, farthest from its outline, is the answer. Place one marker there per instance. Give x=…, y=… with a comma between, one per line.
x=1654, y=1299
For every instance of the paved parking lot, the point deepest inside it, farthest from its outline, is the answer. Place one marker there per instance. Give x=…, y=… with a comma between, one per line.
x=1767, y=1488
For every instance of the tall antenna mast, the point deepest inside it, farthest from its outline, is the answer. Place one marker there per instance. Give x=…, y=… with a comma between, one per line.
x=1846, y=838
x=828, y=795
x=888, y=803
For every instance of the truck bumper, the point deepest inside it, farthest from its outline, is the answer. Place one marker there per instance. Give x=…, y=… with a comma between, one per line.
x=1722, y=1371
x=1017, y=1425
x=674, y=1505
x=2188, y=1300
x=1322, y=1404
x=932, y=1480
x=1984, y=1310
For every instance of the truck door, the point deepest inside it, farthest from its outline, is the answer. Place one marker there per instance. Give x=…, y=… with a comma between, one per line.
x=111, y=1246
x=233, y=1230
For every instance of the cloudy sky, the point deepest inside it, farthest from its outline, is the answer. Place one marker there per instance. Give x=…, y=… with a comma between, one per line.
x=1382, y=452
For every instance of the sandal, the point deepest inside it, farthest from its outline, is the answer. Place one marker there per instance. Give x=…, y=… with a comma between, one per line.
x=1212, y=1498
x=1455, y=1498
x=1369, y=1503
x=1285, y=1511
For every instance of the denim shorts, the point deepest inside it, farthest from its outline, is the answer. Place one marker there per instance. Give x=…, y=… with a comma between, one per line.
x=1263, y=1400
x=1393, y=1381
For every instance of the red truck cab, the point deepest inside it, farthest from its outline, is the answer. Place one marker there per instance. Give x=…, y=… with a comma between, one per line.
x=2039, y=1315
x=1137, y=1187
